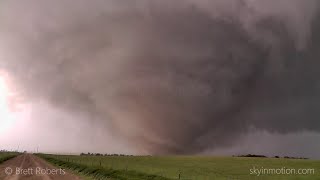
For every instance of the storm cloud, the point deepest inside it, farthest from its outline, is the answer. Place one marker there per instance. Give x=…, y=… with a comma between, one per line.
x=170, y=77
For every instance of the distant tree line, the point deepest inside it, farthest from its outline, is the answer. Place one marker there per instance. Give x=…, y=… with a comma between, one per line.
x=263, y=156
x=99, y=154
x=6, y=151
x=288, y=157
x=252, y=155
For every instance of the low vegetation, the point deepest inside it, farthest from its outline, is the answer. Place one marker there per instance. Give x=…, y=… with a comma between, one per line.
x=182, y=167
x=4, y=156
x=97, y=171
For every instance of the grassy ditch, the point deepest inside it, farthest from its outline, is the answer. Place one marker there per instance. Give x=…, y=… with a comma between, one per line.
x=101, y=173
x=7, y=156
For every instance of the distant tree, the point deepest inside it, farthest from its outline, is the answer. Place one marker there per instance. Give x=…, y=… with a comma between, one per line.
x=253, y=155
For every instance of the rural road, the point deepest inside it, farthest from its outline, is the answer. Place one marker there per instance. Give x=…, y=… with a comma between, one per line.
x=28, y=166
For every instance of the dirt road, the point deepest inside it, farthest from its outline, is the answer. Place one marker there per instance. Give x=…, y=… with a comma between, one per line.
x=31, y=167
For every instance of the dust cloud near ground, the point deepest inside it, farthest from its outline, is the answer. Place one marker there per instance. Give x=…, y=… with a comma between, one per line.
x=165, y=77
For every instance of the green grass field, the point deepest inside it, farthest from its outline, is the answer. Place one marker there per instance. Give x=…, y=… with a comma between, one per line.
x=189, y=167
x=4, y=156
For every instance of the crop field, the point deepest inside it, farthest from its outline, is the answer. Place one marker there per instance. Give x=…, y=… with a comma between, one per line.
x=187, y=167
x=4, y=156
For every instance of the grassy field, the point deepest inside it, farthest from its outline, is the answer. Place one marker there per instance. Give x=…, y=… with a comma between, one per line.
x=187, y=167
x=4, y=156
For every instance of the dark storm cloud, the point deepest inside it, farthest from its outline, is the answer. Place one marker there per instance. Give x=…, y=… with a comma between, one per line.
x=170, y=77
